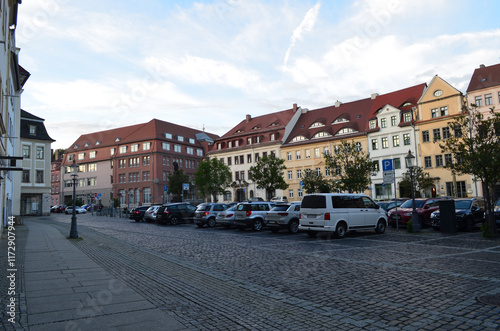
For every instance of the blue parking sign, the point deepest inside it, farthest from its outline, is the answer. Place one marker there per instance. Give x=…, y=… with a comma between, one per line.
x=387, y=165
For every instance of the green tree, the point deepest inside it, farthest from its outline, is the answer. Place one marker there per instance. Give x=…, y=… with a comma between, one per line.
x=421, y=181
x=315, y=183
x=212, y=177
x=351, y=167
x=175, y=181
x=476, y=148
x=268, y=174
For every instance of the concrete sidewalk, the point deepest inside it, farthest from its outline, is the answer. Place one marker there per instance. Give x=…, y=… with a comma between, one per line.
x=65, y=290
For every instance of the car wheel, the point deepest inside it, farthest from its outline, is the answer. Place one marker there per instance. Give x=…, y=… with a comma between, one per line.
x=275, y=230
x=312, y=234
x=200, y=225
x=380, y=227
x=257, y=224
x=293, y=226
x=341, y=230
x=211, y=222
x=174, y=220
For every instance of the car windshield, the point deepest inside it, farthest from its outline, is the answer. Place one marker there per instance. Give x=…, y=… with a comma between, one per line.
x=409, y=204
x=203, y=208
x=463, y=204
x=280, y=208
x=233, y=208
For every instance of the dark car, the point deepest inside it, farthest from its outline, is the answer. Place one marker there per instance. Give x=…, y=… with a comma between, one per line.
x=137, y=214
x=174, y=213
x=424, y=206
x=206, y=213
x=468, y=212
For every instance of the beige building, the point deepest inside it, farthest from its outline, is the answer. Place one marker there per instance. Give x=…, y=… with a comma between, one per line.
x=439, y=104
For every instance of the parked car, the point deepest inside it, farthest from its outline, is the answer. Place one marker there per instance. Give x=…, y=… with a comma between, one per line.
x=390, y=204
x=137, y=214
x=468, y=212
x=174, y=213
x=284, y=216
x=340, y=213
x=60, y=209
x=279, y=199
x=252, y=214
x=206, y=213
x=424, y=206
x=78, y=210
x=150, y=214
x=226, y=217
x=54, y=208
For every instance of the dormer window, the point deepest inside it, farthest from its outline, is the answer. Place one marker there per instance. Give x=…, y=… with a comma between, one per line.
x=117, y=139
x=372, y=124
x=239, y=131
x=298, y=138
x=316, y=125
x=321, y=134
x=86, y=145
x=191, y=140
x=273, y=124
x=255, y=128
x=345, y=131
x=180, y=138
x=98, y=142
x=168, y=135
x=75, y=147
x=32, y=130
x=340, y=120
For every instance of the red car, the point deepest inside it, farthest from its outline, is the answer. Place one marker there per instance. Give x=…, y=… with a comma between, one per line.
x=424, y=208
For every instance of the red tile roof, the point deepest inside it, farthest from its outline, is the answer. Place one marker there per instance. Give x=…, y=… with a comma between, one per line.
x=484, y=77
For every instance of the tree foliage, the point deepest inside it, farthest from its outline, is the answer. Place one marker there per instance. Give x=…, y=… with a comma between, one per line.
x=421, y=181
x=175, y=181
x=475, y=146
x=315, y=183
x=212, y=177
x=268, y=174
x=351, y=167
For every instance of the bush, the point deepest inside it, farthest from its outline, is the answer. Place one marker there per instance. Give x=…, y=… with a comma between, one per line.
x=485, y=231
x=409, y=227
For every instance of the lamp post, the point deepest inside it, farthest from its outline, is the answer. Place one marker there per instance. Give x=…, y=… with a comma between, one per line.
x=73, y=233
x=410, y=164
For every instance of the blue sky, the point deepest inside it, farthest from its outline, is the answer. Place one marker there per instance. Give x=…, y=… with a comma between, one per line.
x=97, y=65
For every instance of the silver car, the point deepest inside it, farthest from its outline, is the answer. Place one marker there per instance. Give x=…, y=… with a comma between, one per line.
x=226, y=217
x=150, y=214
x=206, y=213
x=284, y=216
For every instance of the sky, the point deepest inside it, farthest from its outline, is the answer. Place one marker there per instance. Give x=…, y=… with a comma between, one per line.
x=102, y=64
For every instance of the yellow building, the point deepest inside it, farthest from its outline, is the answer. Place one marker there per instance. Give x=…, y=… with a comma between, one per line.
x=439, y=105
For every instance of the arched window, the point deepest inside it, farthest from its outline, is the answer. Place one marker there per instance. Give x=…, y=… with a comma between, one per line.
x=316, y=125
x=298, y=138
x=345, y=131
x=321, y=134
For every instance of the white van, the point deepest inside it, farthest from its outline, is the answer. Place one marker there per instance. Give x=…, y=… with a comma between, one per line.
x=338, y=213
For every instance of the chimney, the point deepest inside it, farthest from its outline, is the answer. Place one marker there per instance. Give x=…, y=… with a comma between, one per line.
x=374, y=96
x=248, y=118
x=294, y=107
x=338, y=103
x=481, y=66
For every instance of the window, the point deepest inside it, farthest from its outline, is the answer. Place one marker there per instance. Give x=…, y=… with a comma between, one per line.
x=273, y=137
x=446, y=133
x=377, y=167
x=81, y=168
x=242, y=175
x=146, y=146
x=300, y=192
x=165, y=146
x=236, y=160
x=199, y=152
x=488, y=100
x=358, y=147
x=242, y=159
x=180, y=138
x=190, y=150
x=229, y=161
x=318, y=172
x=406, y=139
x=316, y=125
x=439, y=160
x=444, y=111
x=457, y=132
x=122, y=163
x=383, y=123
x=326, y=151
x=92, y=167
x=249, y=175
x=123, y=149
x=397, y=163
x=178, y=148
x=299, y=174
x=316, y=152
x=448, y=160
x=425, y=136
x=146, y=175
x=407, y=117
x=39, y=176
x=146, y=160
x=26, y=151
x=394, y=121
x=168, y=135
x=112, y=151
x=395, y=141
x=134, y=147
x=308, y=154
x=385, y=142
x=26, y=176
x=289, y=156
x=297, y=155
x=372, y=124
x=81, y=156
x=479, y=101
x=436, y=133
x=92, y=154
x=434, y=113
x=146, y=195
x=374, y=144
x=92, y=181
x=290, y=193
x=327, y=171
x=427, y=162
x=290, y=174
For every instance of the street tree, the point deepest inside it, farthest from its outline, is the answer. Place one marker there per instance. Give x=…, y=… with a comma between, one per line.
x=268, y=174
x=351, y=167
x=212, y=177
x=175, y=184
x=421, y=181
x=475, y=146
x=315, y=183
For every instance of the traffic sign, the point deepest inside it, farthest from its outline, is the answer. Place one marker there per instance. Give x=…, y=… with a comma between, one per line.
x=165, y=188
x=388, y=177
x=386, y=165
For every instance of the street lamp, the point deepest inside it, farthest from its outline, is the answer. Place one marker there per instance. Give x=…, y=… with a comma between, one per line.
x=410, y=164
x=73, y=233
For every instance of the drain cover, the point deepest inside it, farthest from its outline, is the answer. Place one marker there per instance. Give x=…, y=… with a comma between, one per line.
x=490, y=299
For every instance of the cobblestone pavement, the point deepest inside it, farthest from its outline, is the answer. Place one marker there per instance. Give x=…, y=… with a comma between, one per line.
x=227, y=279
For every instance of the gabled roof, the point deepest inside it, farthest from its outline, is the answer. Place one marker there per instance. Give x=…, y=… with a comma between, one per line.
x=484, y=77
x=272, y=121
x=403, y=99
